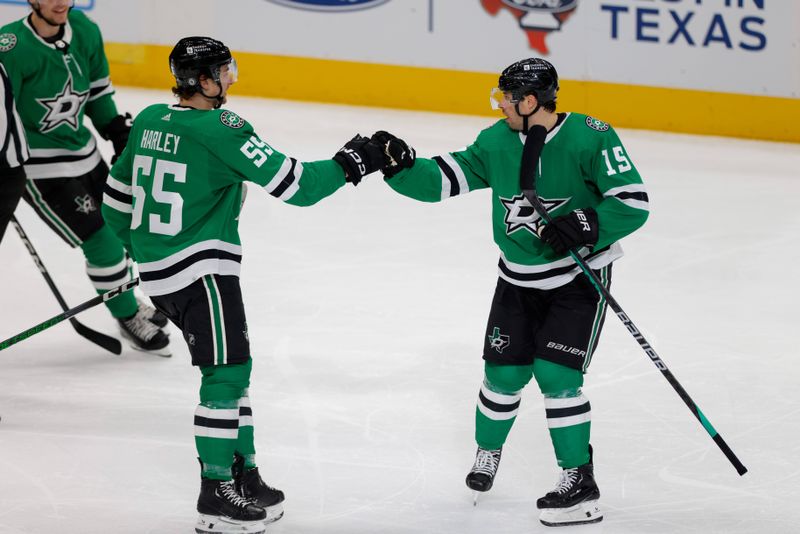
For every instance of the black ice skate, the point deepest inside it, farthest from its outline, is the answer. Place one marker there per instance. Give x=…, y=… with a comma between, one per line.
x=574, y=500
x=223, y=510
x=481, y=477
x=152, y=315
x=250, y=486
x=144, y=335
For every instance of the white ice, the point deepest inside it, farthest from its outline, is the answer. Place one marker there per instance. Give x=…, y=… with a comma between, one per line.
x=366, y=317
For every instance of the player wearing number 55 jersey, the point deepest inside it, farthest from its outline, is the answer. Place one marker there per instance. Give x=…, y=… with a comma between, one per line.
x=174, y=198
x=546, y=317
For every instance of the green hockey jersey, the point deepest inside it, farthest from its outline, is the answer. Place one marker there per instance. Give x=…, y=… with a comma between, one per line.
x=55, y=84
x=174, y=195
x=583, y=164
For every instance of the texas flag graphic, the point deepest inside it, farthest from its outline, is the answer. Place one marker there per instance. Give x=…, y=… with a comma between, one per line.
x=537, y=18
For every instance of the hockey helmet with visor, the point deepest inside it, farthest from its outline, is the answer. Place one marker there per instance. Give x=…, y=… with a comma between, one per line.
x=532, y=76
x=195, y=56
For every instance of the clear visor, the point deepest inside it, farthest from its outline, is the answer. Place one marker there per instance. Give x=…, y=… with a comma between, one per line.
x=231, y=70
x=497, y=97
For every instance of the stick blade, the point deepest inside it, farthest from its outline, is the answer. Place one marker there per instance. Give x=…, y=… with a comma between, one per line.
x=109, y=343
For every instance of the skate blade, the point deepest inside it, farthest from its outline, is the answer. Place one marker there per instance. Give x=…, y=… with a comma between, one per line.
x=215, y=524
x=580, y=514
x=164, y=352
x=274, y=513
x=475, y=497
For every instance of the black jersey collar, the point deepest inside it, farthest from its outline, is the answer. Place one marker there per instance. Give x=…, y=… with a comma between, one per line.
x=65, y=35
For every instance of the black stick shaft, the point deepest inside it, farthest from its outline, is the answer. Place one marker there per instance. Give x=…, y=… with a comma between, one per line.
x=530, y=159
x=107, y=342
x=25, y=334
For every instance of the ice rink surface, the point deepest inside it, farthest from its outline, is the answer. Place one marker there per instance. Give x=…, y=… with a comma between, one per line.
x=366, y=316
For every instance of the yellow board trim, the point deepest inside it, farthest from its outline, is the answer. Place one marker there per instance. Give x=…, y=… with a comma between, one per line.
x=450, y=91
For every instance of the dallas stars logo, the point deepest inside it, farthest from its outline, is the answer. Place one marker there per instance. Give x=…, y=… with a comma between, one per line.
x=85, y=204
x=520, y=213
x=231, y=119
x=64, y=108
x=498, y=341
x=7, y=42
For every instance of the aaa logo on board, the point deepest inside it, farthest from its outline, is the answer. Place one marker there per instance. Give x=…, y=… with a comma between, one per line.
x=330, y=5
x=537, y=18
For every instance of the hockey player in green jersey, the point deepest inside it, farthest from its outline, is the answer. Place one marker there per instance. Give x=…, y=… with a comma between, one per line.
x=174, y=198
x=546, y=316
x=58, y=70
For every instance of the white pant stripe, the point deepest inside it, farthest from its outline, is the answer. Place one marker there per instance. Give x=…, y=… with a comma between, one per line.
x=564, y=402
x=222, y=433
x=572, y=420
x=217, y=413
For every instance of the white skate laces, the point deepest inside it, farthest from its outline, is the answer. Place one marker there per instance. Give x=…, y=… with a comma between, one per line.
x=486, y=462
x=567, y=479
x=145, y=311
x=141, y=327
x=228, y=490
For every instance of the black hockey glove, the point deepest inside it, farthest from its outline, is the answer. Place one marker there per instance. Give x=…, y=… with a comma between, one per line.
x=398, y=155
x=359, y=157
x=570, y=231
x=117, y=132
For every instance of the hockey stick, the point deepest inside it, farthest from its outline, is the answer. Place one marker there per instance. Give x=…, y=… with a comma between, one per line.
x=107, y=342
x=530, y=159
x=68, y=314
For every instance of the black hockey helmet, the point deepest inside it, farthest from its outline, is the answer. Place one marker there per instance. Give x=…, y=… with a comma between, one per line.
x=532, y=76
x=193, y=56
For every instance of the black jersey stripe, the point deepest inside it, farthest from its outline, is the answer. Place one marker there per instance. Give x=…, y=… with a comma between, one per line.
x=287, y=181
x=455, y=188
x=497, y=407
x=544, y=275
x=245, y=410
x=118, y=195
x=208, y=422
x=99, y=89
x=629, y=195
x=59, y=159
x=13, y=140
x=172, y=270
x=555, y=413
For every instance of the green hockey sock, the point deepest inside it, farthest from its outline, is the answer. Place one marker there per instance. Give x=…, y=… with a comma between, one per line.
x=107, y=267
x=568, y=411
x=498, y=402
x=216, y=420
x=245, y=443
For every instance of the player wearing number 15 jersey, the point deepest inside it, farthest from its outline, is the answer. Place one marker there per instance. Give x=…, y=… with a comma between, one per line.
x=546, y=317
x=174, y=198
